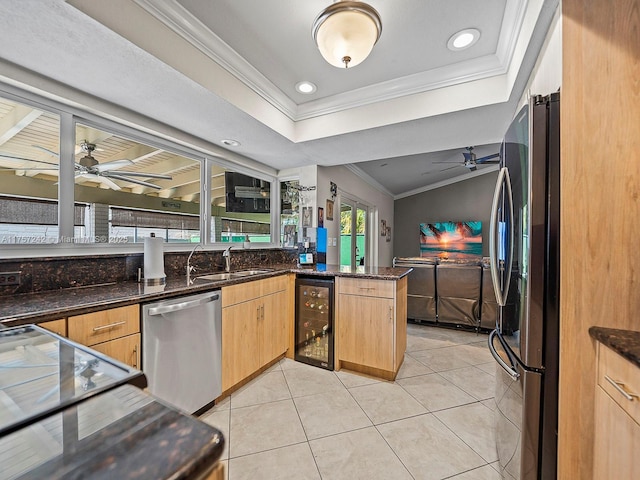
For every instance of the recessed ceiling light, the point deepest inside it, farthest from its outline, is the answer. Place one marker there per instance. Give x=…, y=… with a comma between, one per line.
x=463, y=39
x=230, y=143
x=306, y=87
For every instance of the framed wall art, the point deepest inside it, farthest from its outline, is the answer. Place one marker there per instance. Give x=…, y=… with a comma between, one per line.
x=329, y=209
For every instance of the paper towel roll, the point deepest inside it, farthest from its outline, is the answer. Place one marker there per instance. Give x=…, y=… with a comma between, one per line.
x=154, y=260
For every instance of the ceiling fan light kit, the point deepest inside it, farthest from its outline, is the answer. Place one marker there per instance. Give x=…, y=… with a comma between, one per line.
x=345, y=32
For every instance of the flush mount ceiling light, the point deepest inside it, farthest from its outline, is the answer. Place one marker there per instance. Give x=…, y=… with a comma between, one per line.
x=463, y=39
x=346, y=32
x=230, y=143
x=306, y=87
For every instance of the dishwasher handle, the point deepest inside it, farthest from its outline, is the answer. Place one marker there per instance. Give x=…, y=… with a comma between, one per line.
x=162, y=309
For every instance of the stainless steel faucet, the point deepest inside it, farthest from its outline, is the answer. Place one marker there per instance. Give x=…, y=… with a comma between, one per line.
x=227, y=258
x=191, y=268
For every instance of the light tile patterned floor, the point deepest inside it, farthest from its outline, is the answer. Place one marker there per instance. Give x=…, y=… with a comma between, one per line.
x=434, y=422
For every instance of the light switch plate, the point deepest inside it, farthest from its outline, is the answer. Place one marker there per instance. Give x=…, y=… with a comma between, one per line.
x=335, y=241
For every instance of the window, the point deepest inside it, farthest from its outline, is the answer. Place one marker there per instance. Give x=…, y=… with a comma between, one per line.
x=126, y=184
x=289, y=212
x=240, y=207
x=133, y=189
x=29, y=139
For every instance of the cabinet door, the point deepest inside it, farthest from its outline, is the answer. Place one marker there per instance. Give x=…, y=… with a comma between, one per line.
x=59, y=327
x=366, y=331
x=274, y=324
x=617, y=441
x=240, y=342
x=124, y=349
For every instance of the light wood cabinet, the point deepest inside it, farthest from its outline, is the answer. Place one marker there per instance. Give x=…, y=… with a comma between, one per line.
x=371, y=325
x=240, y=342
x=617, y=417
x=124, y=349
x=114, y=332
x=59, y=327
x=255, y=326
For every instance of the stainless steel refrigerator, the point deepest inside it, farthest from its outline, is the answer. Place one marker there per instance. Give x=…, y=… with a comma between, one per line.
x=524, y=253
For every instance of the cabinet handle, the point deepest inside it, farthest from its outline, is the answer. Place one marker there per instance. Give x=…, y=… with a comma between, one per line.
x=111, y=325
x=136, y=356
x=262, y=312
x=258, y=313
x=367, y=288
x=391, y=314
x=619, y=386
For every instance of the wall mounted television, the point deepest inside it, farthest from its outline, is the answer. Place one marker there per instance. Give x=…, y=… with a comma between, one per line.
x=451, y=240
x=245, y=194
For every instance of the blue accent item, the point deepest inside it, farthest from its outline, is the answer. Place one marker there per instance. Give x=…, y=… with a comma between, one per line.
x=322, y=240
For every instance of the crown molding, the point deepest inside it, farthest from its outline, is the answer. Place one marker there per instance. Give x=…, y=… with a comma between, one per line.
x=449, y=181
x=183, y=23
x=367, y=178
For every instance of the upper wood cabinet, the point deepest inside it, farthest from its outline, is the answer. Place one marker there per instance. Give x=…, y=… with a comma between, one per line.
x=371, y=325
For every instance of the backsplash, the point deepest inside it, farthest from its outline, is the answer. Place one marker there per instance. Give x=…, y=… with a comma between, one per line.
x=52, y=273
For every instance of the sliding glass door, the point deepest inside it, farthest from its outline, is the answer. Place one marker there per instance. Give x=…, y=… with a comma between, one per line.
x=353, y=234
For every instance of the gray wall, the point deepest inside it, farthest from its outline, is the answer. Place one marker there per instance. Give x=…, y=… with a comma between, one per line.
x=462, y=201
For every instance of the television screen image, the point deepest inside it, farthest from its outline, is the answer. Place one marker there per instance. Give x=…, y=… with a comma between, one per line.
x=451, y=240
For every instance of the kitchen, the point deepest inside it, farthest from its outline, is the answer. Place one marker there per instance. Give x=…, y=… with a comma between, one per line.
x=585, y=198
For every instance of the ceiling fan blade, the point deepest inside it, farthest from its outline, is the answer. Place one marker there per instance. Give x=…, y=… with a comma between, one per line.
x=91, y=177
x=145, y=175
x=13, y=157
x=131, y=180
x=51, y=152
x=488, y=158
x=107, y=167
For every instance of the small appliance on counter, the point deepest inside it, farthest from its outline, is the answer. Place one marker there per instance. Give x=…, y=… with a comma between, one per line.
x=154, y=261
x=314, y=321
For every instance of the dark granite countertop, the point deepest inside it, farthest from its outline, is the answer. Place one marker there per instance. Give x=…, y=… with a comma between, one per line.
x=122, y=434
x=54, y=304
x=625, y=342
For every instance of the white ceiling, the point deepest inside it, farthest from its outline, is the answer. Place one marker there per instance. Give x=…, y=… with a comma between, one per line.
x=220, y=69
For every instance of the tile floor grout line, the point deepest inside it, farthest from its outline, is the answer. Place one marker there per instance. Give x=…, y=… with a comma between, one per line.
x=463, y=441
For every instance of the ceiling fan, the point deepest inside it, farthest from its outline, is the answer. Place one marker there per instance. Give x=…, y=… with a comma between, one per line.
x=471, y=161
x=88, y=168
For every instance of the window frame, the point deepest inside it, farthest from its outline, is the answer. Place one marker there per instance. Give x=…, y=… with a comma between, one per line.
x=70, y=117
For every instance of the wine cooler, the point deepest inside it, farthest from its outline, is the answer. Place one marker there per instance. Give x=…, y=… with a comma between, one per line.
x=314, y=321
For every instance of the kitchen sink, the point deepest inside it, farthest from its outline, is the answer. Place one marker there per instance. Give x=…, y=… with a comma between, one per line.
x=246, y=273
x=230, y=275
x=215, y=276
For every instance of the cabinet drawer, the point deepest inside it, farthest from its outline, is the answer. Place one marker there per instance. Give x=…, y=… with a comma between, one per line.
x=244, y=292
x=366, y=287
x=125, y=349
x=617, y=376
x=105, y=325
x=59, y=327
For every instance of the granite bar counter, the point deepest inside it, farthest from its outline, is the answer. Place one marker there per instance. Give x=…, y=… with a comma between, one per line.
x=624, y=342
x=53, y=304
x=123, y=434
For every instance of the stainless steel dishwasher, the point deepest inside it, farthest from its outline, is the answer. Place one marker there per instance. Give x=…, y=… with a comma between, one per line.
x=181, y=350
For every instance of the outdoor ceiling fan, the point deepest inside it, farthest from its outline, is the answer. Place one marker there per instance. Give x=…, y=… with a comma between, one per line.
x=88, y=168
x=471, y=161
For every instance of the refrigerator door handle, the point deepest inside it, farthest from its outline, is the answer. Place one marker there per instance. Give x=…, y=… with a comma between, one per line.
x=513, y=373
x=501, y=293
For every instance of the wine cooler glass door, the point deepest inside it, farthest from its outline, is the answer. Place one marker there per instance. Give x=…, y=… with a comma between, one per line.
x=314, y=322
